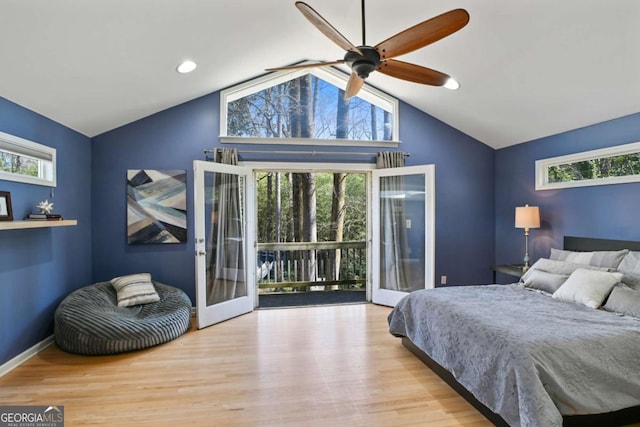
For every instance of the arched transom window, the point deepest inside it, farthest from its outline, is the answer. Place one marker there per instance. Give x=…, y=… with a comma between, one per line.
x=307, y=107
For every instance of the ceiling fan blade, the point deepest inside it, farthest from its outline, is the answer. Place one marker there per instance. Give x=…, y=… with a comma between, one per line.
x=423, y=34
x=327, y=29
x=413, y=73
x=353, y=86
x=310, y=65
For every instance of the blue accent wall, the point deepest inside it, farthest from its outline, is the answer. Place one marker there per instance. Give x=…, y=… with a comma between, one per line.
x=605, y=211
x=173, y=138
x=464, y=195
x=39, y=267
x=170, y=139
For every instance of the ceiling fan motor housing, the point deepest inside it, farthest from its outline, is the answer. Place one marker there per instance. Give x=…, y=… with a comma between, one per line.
x=363, y=64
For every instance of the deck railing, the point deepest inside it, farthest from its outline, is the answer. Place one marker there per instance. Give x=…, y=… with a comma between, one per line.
x=312, y=266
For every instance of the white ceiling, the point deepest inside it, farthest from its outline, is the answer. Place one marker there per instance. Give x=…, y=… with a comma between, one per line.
x=527, y=68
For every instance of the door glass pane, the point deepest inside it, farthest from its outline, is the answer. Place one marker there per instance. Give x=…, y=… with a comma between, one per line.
x=402, y=232
x=224, y=227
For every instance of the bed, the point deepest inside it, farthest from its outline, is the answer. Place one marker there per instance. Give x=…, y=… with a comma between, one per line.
x=525, y=358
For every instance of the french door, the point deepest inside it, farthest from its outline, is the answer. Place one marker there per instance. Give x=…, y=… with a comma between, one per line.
x=225, y=257
x=403, y=232
x=401, y=250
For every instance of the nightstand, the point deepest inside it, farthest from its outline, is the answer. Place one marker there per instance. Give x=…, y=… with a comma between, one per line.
x=515, y=270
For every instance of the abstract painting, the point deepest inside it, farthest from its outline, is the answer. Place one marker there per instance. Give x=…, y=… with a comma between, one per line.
x=156, y=206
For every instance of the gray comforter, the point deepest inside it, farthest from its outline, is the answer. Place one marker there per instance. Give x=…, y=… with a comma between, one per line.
x=524, y=355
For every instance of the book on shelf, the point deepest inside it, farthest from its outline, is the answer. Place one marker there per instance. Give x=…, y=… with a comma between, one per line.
x=44, y=217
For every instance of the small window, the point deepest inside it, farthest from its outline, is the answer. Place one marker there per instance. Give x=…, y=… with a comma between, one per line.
x=306, y=107
x=26, y=161
x=612, y=165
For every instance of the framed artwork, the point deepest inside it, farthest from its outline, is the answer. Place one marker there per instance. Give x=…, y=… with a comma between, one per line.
x=6, y=213
x=156, y=206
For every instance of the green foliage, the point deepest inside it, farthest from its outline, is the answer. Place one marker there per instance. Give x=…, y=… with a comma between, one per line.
x=355, y=217
x=605, y=167
x=355, y=225
x=355, y=206
x=20, y=165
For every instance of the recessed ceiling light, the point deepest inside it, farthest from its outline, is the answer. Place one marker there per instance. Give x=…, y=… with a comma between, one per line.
x=452, y=84
x=186, y=67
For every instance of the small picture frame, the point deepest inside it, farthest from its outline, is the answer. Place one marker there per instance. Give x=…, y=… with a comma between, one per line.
x=6, y=213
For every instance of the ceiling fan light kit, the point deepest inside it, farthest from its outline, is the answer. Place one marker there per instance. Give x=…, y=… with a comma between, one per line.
x=365, y=59
x=452, y=84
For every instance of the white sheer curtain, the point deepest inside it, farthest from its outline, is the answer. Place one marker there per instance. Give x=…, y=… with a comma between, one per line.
x=394, y=272
x=225, y=262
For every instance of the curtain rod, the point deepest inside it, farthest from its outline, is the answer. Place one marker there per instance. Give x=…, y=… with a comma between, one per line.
x=312, y=152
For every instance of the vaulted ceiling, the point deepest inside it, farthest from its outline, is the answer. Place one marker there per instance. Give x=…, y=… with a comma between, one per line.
x=527, y=68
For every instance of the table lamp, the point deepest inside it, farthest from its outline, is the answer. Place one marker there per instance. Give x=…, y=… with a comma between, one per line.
x=527, y=217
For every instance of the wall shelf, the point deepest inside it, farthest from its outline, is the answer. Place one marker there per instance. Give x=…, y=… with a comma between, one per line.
x=18, y=225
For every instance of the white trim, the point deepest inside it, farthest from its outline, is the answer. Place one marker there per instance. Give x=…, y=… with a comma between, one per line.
x=385, y=296
x=329, y=74
x=308, y=141
x=308, y=166
x=206, y=314
x=543, y=165
x=46, y=157
x=26, y=355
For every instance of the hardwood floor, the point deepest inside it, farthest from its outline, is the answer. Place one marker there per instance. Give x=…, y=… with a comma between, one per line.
x=315, y=366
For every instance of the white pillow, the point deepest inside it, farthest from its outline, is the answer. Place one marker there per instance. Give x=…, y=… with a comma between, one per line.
x=631, y=280
x=571, y=256
x=587, y=287
x=135, y=289
x=630, y=263
x=544, y=281
x=608, y=259
x=624, y=300
x=557, y=267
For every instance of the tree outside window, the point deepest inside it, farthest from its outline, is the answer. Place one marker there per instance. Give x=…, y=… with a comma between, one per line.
x=307, y=107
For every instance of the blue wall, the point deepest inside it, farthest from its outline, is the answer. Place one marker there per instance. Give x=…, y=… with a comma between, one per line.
x=49, y=263
x=477, y=190
x=39, y=267
x=464, y=195
x=173, y=138
x=605, y=211
x=170, y=139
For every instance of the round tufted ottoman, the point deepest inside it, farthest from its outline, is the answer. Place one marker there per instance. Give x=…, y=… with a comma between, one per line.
x=89, y=321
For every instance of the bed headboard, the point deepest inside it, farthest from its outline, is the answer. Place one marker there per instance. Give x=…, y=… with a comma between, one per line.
x=586, y=244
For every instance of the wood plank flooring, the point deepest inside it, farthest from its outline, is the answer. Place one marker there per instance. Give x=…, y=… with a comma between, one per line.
x=314, y=366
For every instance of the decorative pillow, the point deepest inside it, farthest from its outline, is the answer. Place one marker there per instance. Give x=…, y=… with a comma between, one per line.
x=630, y=263
x=631, y=280
x=624, y=300
x=608, y=259
x=576, y=257
x=557, y=267
x=544, y=281
x=588, y=287
x=134, y=289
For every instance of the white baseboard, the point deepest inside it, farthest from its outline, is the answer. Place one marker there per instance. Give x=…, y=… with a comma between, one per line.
x=26, y=355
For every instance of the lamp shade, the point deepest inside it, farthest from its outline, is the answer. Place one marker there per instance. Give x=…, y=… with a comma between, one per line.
x=527, y=217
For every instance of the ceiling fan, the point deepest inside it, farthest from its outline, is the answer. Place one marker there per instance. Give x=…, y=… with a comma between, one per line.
x=365, y=59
